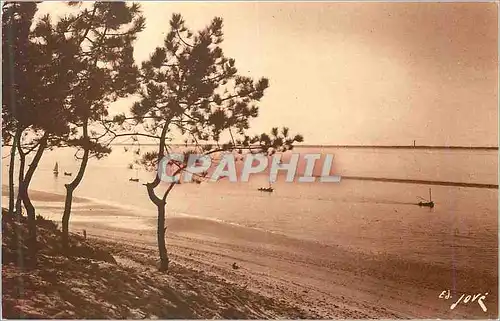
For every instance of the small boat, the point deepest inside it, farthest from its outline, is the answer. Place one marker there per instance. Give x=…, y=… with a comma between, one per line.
x=136, y=179
x=68, y=174
x=266, y=189
x=56, y=169
x=428, y=203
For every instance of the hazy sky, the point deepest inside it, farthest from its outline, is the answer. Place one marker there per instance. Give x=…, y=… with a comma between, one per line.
x=359, y=73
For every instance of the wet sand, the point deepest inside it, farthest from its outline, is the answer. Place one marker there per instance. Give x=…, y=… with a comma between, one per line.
x=333, y=281
x=44, y=196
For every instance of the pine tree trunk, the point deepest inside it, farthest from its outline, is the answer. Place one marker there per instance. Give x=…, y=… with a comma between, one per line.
x=70, y=188
x=31, y=240
x=160, y=229
x=22, y=163
x=11, y=181
x=65, y=218
x=18, y=235
x=162, y=248
x=12, y=161
x=30, y=209
x=160, y=205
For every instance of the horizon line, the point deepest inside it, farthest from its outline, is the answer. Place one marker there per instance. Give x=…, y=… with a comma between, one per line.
x=459, y=147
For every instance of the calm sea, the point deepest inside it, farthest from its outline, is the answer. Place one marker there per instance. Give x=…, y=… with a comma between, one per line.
x=365, y=215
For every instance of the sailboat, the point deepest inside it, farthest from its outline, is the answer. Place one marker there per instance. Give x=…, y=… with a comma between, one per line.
x=429, y=203
x=136, y=179
x=56, y=169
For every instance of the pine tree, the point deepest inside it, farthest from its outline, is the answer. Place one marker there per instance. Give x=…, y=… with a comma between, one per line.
x=16, y=22
x=104, y=35
x=35, y=94
x=191, y=90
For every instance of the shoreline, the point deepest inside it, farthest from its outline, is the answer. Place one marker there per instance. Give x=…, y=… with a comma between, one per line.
x=331, y=281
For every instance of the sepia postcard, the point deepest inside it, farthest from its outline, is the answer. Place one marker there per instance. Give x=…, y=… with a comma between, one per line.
x=250, y=160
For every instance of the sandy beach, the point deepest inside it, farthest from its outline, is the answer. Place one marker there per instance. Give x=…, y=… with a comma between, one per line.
x=330, y=281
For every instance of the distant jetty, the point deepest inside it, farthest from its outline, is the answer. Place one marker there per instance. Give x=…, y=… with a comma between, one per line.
x=416, y=181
